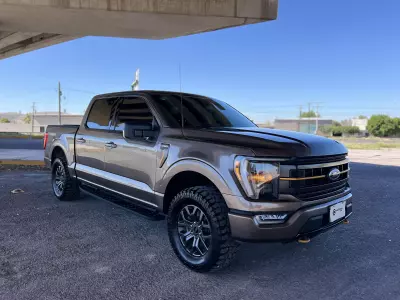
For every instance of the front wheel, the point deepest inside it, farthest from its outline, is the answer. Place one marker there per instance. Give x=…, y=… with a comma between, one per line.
x=64, y=186
x=199, y=231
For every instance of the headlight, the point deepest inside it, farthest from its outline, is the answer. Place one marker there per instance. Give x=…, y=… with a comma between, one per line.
x=259, y=178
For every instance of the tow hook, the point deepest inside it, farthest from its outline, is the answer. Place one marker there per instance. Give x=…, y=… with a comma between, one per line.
x=303, y=240
x=345, y=221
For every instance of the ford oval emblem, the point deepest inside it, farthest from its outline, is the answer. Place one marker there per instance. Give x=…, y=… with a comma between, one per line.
x=334, y=174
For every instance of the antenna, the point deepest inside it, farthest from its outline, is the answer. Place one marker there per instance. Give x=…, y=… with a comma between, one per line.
x=180, y=90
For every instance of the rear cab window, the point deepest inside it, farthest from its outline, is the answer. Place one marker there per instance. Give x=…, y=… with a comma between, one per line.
x=101, y=114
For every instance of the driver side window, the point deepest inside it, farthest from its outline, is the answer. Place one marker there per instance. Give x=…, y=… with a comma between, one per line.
x=133, y=111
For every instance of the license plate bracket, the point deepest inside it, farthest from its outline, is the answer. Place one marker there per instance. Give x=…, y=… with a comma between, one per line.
x=337, y=211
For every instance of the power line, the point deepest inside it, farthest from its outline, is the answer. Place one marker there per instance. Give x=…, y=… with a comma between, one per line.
x=80, y=91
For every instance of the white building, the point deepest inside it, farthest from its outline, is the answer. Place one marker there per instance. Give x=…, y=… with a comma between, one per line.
x=360, y=123
x=40, y=123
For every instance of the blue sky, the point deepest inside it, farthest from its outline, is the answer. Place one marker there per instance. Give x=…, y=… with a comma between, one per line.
x=343, y=53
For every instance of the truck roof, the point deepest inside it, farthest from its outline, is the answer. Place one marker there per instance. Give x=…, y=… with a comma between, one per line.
x=143, y=92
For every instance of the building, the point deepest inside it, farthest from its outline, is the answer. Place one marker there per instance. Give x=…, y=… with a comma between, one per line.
x=40, y=123
x=360, y=123
x=306, y=125
x=42, y=120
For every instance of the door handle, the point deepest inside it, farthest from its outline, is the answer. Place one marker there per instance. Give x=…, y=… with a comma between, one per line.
x=110, y=145
x=81, y=140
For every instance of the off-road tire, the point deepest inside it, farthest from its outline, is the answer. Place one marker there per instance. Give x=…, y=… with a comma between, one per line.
x=71, y=189
x=223, y=248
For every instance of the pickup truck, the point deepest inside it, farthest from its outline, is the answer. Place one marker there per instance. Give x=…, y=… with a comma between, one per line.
x=216, y=177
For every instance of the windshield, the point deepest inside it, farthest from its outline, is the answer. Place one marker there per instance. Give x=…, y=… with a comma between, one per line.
x=199, y=112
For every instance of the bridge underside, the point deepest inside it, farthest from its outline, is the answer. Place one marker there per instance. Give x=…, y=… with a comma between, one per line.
x=27, y=25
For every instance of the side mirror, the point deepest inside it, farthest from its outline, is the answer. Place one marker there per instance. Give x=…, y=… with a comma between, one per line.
x=136, y=131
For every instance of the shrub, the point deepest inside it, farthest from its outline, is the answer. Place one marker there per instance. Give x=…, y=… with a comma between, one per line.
x=383, y=126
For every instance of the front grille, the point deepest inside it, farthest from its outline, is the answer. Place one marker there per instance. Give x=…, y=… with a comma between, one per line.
x=321, y=191
x=316, y=183
x=316, y=174
x=315, y=160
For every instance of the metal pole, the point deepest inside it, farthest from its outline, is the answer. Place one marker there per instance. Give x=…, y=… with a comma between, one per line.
x=316, y=120
x=299, y=125
x=309, y=113
x=59, y=103
x=33, y=116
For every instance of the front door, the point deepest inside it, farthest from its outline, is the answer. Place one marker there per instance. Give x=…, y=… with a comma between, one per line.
x=91, y=139
x=131, y=162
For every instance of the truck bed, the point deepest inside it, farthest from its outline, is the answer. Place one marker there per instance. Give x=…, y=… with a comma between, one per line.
x=61, y=135
x=62, y=129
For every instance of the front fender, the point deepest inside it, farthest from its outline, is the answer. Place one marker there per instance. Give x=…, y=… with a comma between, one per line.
x=224, y=185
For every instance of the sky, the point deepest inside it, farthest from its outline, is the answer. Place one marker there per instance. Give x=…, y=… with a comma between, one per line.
x=342, y=54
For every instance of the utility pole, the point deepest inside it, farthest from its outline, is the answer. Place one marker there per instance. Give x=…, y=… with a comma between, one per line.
x=309, y=114
x=300, y=112
x=316, y=119
x=59, y=103
x=33, y=115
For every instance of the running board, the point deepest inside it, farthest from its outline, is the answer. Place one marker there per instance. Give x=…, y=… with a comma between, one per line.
x=136, y=208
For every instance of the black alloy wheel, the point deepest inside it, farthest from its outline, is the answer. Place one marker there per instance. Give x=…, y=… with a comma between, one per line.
x=194, y=230
x=58, y=179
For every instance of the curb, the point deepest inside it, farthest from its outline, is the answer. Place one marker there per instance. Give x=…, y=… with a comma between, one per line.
x=22, y=162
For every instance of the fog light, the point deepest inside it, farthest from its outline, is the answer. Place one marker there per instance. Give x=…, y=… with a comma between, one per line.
x=275, y=218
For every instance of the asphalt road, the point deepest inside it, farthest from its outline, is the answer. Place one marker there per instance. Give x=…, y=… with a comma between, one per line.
x=90, y=249
x=29, y=144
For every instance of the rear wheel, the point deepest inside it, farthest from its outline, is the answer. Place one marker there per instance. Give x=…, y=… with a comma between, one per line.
x=199, y=231
x=64, y=186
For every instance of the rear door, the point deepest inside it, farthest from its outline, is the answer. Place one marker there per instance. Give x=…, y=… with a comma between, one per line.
x=131, y=163
x=91, y=139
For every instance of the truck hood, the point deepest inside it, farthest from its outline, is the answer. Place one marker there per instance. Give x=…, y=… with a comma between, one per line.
x=270, y=142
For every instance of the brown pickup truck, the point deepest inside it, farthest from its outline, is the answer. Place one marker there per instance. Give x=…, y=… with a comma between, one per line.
x=217, y=177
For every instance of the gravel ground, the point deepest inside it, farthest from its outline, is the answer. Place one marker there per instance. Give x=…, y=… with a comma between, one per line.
x=90, y=249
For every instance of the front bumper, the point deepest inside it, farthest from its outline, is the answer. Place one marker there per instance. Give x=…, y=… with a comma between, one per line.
x=307, y=221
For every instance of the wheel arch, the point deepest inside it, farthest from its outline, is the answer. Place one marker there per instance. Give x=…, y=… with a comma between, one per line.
x=189, y=173
x=57, y=151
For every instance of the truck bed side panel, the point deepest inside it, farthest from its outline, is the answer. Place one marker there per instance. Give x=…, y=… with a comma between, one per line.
x=62, y=136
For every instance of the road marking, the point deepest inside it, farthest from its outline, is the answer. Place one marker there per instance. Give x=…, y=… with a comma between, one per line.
x=22, y=162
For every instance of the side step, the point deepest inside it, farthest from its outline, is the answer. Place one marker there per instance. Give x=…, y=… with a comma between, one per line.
x=136, y=208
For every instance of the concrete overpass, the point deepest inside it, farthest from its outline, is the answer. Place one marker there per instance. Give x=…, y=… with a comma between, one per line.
x=26, y=25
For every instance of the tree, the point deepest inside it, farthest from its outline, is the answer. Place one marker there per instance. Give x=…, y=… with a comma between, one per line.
x=337, y=131
x=28, y=119
x=4, y=120
x=309, y=114
x=326, y=129
x=383, y=125
x=340, y=130
x=336, y=123
x=362, y=117
x=350, y=130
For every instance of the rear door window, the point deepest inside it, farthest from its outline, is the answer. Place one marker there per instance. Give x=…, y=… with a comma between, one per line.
x=133, y=111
